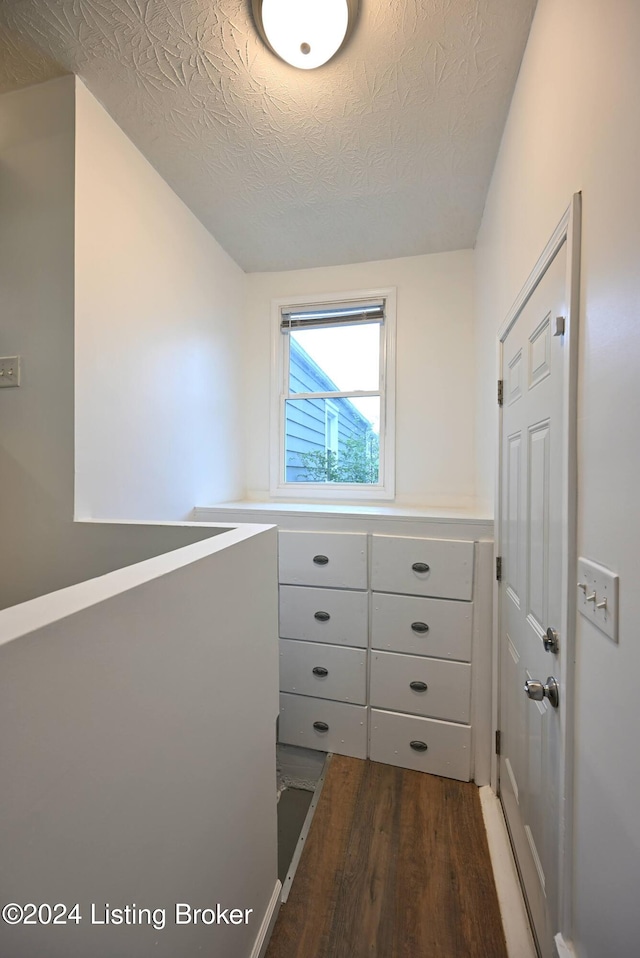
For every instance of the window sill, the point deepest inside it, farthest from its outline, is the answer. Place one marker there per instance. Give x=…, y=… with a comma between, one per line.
x=469, y=514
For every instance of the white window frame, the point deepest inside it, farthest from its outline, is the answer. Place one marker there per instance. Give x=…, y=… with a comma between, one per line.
x=331, y=416
x=385, y=488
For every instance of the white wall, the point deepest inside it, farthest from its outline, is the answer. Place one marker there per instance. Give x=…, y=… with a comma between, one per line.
x=158, y=309
x=137, y=733
x=36, y=321
x=146, y=446
x=574, y=125
x=435, y=378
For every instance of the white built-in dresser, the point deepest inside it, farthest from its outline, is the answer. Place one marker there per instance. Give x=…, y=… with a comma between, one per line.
x=385, y=632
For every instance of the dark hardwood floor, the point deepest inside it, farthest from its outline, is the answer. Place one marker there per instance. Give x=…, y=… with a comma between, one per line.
x=396, y=865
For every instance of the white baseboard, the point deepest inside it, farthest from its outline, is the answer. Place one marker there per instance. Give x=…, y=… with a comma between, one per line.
x=515, y=920
x=261, y=943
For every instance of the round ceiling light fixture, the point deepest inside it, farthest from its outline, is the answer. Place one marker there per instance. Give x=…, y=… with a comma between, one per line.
x=305, y=33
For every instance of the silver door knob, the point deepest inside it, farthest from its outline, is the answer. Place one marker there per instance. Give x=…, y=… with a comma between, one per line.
x=550, y=641
x=537, y=691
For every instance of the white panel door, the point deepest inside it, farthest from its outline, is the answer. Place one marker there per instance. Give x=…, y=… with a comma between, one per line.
x=531, y=592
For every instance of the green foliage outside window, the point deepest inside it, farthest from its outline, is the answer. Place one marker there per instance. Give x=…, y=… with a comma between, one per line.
x=357, y=461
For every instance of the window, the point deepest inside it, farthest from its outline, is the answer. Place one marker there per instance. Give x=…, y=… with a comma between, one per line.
x=333, y=405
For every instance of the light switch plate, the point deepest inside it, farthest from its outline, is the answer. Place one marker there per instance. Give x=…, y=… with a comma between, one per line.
x=598, y=585
x=9, y=371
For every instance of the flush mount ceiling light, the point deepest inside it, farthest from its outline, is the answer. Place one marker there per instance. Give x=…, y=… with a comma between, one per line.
x=305, y=33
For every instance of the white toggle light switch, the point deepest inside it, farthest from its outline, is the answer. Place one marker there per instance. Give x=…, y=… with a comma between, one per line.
x=598, y=596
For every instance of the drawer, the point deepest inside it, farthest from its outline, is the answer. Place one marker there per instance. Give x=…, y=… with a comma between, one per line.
x=336, y=559
x=438, y=567
x=448, y=750
x=448, y=686
x=328, y=726
x=417, y=626
x=324, y=615
x=345, y=677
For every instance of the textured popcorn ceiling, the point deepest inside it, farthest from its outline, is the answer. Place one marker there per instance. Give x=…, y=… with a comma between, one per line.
x=386, y=151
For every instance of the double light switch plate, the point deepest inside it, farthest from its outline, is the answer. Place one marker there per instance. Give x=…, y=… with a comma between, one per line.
x=598, y=596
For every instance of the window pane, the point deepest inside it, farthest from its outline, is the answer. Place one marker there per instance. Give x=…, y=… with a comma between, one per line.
x=332, y=440
x=337, y=359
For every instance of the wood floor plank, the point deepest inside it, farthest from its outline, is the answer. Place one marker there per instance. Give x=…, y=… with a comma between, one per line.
x=314, y=892
x=361, y=917
x=396, y=866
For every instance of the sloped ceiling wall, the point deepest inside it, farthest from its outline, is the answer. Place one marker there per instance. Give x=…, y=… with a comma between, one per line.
x=386, y=151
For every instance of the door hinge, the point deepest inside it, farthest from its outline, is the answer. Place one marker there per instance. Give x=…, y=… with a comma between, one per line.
x=498, y=738
x=500, y=391
x=499, y=568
